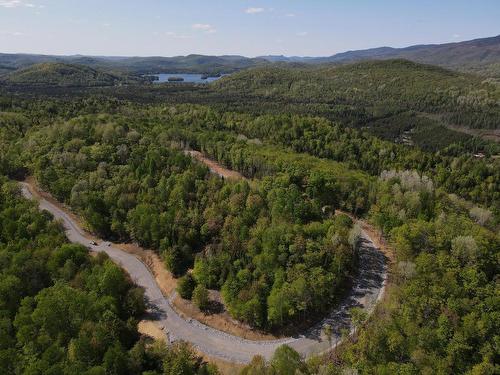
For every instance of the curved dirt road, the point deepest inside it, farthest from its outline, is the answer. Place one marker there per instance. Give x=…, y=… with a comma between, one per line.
x=368, y=288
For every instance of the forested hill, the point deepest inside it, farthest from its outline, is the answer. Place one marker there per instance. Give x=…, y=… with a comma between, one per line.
x=59, y=74
x=184, y=64
x=478, y=55
x=138, y=65
x=375, y=88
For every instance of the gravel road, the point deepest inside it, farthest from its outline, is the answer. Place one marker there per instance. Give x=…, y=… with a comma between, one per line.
x=368, y=288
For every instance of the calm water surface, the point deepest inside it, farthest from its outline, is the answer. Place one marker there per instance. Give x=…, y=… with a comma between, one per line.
x=188, y=78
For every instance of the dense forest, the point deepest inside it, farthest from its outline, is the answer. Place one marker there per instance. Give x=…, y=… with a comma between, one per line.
x=66, y=75
x=375, y=88
x=137, y=65
x=270, y=243
x=457, y=172
x=479, y=56
x=252, y=240
x=400, y=101
x=65, y=312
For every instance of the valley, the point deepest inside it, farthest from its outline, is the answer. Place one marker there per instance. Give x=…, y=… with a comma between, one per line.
x=317, y=203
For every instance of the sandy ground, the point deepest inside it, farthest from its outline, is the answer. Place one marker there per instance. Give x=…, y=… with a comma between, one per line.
x=220, y=170
x=164, y=278
x=167, y=283
x=224, y=321
x=153, y=330
x=221, y=321
x=374, y=234
x=152, y=260
x=215, y=167
x=487, y=134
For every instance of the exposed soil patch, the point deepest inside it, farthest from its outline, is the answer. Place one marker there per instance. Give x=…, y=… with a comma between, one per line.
x=164, y=278
x=151, y=329
x=152, y=260
x=220, y=320
x=223, y=321
x=368, y=288
x=215, y=167
x=375, y=235
x=487, y=134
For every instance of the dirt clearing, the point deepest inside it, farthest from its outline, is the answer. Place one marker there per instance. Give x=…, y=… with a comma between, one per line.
x=215, y=167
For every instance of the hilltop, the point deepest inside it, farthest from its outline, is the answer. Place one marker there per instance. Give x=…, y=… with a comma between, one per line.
x=60, y=74
x=376, y=87
x=138, y=65
x=478, y=55
x=481, y=56
x=397, y=100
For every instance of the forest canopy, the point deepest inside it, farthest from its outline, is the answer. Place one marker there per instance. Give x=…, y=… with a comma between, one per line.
x=270, y=242
x=65, y=312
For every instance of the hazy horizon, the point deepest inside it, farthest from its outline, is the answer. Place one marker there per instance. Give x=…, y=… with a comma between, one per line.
x=246, y=28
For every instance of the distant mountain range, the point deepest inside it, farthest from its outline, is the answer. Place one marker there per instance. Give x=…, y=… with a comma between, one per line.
x=480, y=56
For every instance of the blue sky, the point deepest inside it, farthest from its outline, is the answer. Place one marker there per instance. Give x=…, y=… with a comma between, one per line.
x=246, y=27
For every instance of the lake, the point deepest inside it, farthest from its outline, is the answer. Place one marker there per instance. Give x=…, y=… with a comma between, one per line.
x=188, y=78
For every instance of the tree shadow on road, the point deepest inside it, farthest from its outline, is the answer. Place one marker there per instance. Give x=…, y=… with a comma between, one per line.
x=366, y=286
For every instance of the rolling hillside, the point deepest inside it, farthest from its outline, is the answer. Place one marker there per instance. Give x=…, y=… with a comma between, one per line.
x=183, y=64
x=59, y=74
x=393, y=82
x=479, y=55
x=359, y=94
x=139, y=65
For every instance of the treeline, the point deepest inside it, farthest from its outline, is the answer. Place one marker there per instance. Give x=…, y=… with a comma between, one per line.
x=453, y=168
x=355, y=95
x=331, y=184
x=265, y=244
x=436, y=236
x=474, y=179
x=429, y=135
x=64, y=312
x=441, y=311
